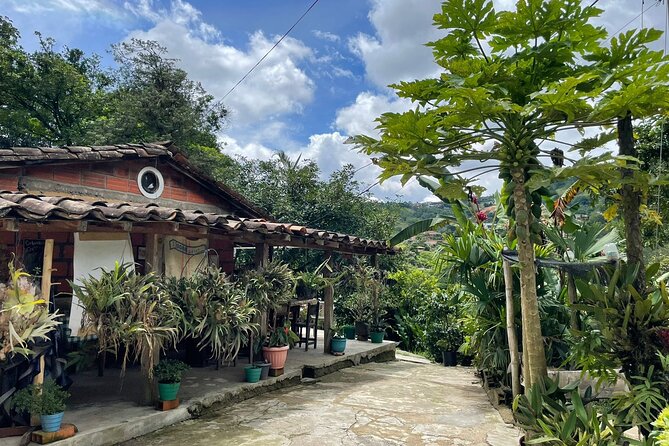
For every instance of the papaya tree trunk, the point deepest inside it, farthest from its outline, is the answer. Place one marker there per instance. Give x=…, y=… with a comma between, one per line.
x=535, y=358
x=511, y=329
x=631, y=204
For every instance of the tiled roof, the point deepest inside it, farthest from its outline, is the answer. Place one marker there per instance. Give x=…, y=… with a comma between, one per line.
x=17, y=156
x=22, y=155
x=38, y=209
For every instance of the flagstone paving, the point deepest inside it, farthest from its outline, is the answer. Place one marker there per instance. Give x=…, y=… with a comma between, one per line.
x=393, y=403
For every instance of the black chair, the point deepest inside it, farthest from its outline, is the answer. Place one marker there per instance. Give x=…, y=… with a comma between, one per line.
x=307, y=330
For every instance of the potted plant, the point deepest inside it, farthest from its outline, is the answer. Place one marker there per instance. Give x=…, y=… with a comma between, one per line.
x=349, y=331
x=377, y=331
x=359, y=307
x=252, y=373
x=338, y=341
x=279, y=340
x=168, y=373
x=264, y=368
x=46, y=400
x=449, y=345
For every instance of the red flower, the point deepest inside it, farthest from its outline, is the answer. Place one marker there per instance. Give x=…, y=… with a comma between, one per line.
x=475, y=200
x=481, y=216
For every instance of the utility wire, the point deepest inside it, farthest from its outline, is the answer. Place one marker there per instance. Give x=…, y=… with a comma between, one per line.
x=270, y=50
x=628, y=23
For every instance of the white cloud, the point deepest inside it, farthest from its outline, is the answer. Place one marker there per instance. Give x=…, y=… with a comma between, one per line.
x=324, y=35
x=358, y=118
x=397, y=51
x=277, y=86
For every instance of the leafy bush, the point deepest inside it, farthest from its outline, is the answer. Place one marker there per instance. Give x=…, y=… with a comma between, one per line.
x=46, y=399
x=169, y=371
x=559, y=416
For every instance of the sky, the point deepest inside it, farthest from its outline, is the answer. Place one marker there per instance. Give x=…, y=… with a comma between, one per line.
x=326, y=81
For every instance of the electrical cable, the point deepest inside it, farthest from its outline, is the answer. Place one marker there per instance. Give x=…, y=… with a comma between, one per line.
x=628, y=23
x=270, y=50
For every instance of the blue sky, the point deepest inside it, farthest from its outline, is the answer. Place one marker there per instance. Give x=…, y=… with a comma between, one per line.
x=327, y=81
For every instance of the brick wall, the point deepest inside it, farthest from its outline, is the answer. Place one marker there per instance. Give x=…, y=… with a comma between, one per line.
x=118, y=176
x=226, y=254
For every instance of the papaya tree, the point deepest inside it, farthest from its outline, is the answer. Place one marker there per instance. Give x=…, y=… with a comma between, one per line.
x=510, y=81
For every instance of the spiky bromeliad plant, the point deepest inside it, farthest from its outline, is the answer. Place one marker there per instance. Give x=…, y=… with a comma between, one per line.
x=543, y=72
x=24, y=317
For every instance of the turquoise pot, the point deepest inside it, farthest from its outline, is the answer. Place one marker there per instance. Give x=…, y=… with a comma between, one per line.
x=51, y=423
x=168, y=391
x=376, y=336
x=252, y=373
x=349, y=331
x=338, y=345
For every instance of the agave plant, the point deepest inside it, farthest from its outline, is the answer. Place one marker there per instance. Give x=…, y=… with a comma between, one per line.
x=24, y=317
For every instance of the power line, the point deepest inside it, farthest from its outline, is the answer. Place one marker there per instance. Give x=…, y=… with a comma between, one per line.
x=628, y=23
x=270, y=50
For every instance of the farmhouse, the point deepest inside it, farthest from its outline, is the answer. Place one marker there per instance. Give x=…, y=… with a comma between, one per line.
x=82, y=208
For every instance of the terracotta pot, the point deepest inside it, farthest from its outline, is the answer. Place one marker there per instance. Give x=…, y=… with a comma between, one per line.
x=276, y=355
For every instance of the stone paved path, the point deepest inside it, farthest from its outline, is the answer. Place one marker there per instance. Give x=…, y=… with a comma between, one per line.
x=395, y=403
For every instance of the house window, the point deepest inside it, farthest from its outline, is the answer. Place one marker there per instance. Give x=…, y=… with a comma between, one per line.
x=150, y=182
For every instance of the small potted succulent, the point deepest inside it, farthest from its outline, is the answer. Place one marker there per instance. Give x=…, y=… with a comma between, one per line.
x=168, y=374
x=449, y=344
x=279, y=340
x=338, y=341
x=46, y=400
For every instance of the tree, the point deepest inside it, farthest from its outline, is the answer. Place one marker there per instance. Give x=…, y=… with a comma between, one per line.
x=155, y=100
x=46, y=97
x=496, y=106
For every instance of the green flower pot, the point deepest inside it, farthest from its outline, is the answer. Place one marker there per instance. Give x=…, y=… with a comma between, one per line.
x=252, y=373
x=349, y=331
x=377, y=336
x=338, y=345
x=168, y=391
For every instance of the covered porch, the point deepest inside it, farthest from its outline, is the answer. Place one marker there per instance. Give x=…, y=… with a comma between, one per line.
x=113, y=416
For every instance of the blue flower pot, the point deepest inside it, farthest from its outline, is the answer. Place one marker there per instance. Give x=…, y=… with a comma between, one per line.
x=51, y=423
x=252, y=373
x=338, y=345
x=168, y=391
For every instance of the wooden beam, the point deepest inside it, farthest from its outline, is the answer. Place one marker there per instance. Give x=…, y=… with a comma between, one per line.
x=328, y=305
x=10, y=225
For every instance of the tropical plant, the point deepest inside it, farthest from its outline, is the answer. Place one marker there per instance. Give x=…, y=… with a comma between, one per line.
x=124, y=308
x=560, y=416
x=309, y=283
x=169, y=371
x=218, y=313
x=269, y=287
x=282, y=336
x=24, y=317
x=517, y=91
x=40, y=399
x=660, y=432
x=451, y=339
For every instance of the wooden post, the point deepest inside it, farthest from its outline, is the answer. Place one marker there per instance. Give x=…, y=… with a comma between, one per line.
x=154, y=263
x=262, y=253
x=511, y=329
x=154, y=254
x=47, y=268
x=328, y=306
